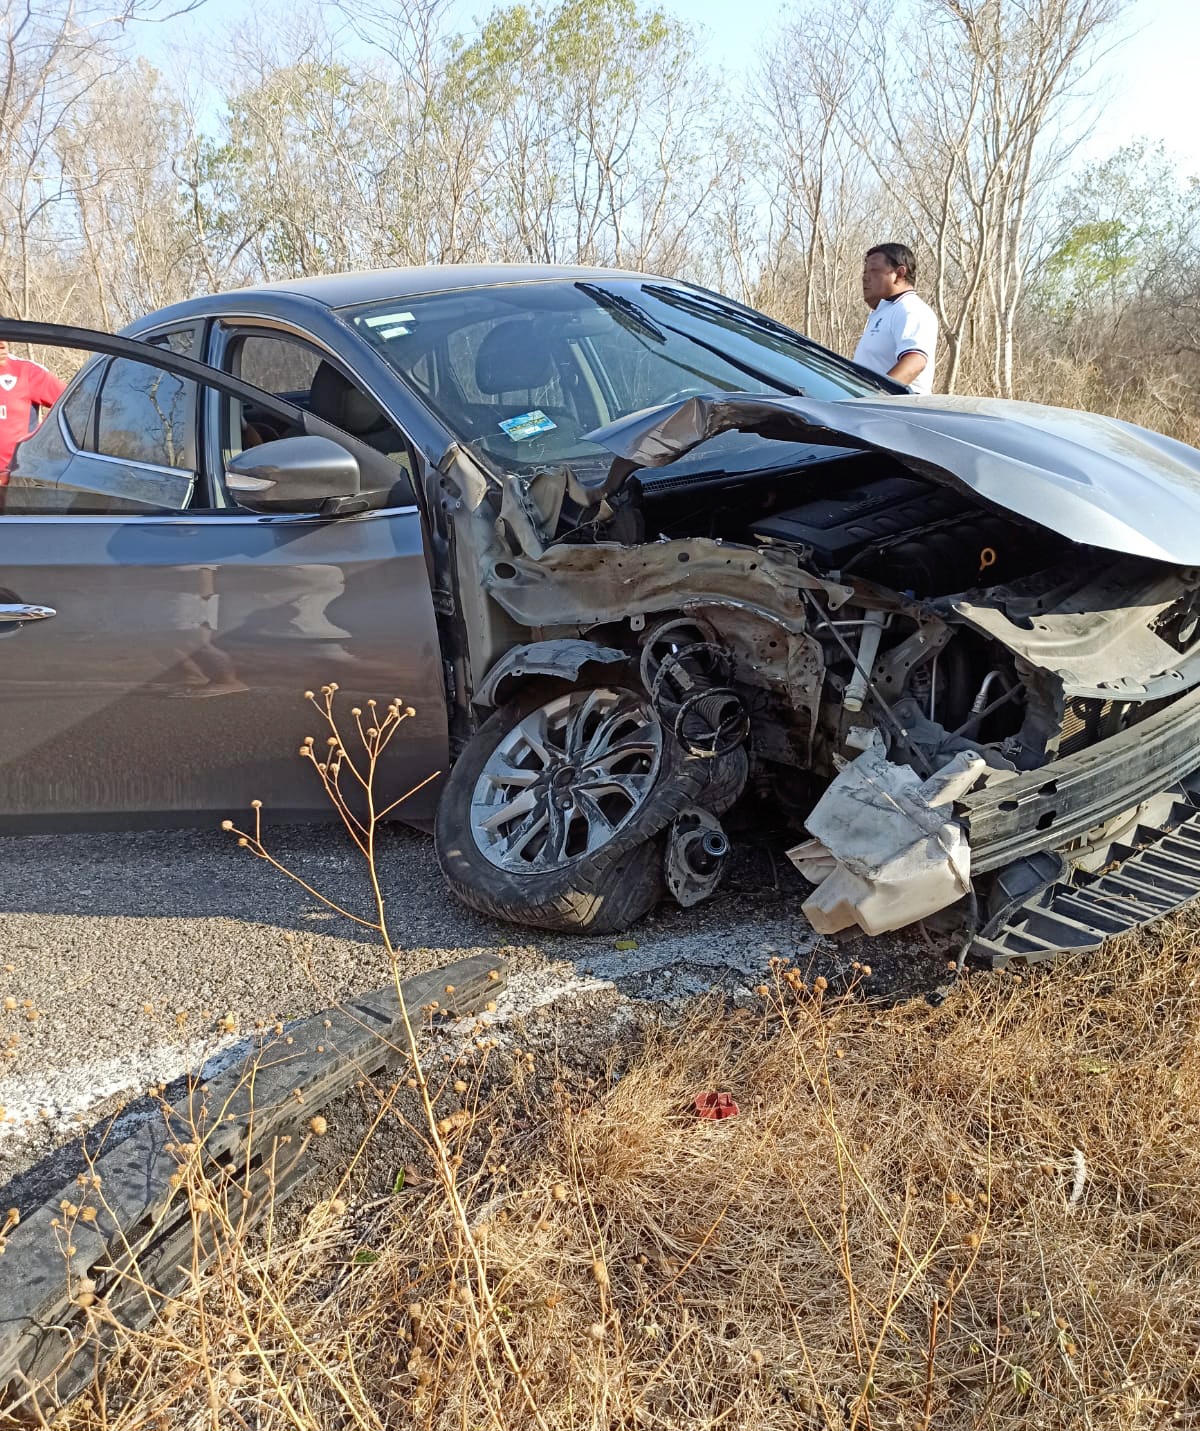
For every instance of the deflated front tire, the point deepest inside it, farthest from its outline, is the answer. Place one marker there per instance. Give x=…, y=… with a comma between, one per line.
x=555, y=814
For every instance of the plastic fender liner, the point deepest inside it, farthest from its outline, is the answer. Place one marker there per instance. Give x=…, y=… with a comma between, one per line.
x=565, y=659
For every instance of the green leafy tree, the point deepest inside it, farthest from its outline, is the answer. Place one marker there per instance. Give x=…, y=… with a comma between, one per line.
x=1125, y=227
x=603, y=130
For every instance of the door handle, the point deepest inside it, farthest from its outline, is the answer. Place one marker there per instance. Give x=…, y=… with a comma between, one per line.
x=22, y=611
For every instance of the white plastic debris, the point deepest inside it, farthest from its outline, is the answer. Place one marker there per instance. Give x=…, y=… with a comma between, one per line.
x=886, y=850
x=1079, y=1164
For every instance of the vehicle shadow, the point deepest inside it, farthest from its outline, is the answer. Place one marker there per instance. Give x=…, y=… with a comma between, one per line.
x=202, y=874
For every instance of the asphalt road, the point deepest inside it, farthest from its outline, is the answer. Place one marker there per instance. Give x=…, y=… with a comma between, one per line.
x=129, y=959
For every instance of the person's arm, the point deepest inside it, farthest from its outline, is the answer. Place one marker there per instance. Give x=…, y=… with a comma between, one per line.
x=910, y=366
x=915, y=342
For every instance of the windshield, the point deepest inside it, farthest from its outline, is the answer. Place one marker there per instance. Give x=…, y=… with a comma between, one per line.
x=520, y=373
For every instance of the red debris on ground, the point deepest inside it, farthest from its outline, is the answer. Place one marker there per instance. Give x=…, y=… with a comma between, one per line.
x=715, y=1105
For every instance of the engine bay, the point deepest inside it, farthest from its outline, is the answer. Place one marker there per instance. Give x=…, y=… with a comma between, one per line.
x=856, y=518
x=853, y=515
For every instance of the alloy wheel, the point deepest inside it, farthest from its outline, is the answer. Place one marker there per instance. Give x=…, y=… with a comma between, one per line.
x=565, y=780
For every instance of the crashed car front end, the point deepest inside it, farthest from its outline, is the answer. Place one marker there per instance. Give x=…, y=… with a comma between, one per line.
x=969, y=705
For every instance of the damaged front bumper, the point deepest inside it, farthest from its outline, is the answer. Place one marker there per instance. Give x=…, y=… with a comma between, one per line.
x=1059, y=885
x=1042, y=906
x=1047, y=808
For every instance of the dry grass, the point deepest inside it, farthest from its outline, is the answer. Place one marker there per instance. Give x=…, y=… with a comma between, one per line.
x=1138, y=390
x=981, y=1215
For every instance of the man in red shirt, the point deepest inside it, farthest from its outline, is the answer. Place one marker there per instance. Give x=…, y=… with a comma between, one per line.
x=23, y=386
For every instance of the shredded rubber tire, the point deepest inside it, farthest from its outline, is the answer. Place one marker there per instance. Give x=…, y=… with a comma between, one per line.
x=600, y=893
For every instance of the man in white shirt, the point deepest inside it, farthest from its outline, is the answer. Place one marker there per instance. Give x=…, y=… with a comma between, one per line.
x=901, y=334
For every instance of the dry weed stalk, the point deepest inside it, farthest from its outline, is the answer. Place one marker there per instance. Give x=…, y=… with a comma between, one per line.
x=355, y=802
x=361, y=814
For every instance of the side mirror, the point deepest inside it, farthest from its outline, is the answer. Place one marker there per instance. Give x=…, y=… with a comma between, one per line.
x=297, y=474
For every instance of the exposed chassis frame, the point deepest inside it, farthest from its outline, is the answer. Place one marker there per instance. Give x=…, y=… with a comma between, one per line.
x=1045, y=808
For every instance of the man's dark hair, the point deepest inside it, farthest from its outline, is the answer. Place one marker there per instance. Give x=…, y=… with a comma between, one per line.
x=898, y=255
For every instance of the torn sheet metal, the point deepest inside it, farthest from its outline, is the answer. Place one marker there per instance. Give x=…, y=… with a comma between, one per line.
x=886, y=850
x=1093, y=479
x=1103, y=634
x=530, y=509
x=584, y=585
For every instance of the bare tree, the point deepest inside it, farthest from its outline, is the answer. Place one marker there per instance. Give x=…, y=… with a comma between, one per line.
x=52, y=54
x=438, y=172
x=121, y=153
x=814, y=100
x=603, y=137
x=968, y=125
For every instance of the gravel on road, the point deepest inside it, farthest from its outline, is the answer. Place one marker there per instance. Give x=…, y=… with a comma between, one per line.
x=129, y=959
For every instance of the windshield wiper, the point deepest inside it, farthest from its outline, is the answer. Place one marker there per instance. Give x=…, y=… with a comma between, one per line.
x=704, y=306
x=711, y=308
x=626, y=308
x=743, y=367
x=673, y=297
x=622, y=306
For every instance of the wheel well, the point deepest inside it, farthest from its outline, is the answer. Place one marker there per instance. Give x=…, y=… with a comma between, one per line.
x=564, y=663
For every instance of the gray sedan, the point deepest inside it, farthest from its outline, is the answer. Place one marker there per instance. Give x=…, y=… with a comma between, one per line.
x=637, y=555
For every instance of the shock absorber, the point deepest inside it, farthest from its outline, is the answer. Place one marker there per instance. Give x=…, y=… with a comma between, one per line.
x=868, y=650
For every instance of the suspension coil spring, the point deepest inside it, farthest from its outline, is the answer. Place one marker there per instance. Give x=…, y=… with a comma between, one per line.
x=711, y=722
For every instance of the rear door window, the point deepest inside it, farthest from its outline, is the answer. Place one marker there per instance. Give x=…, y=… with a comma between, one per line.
x=132, y=447
x=146, y=415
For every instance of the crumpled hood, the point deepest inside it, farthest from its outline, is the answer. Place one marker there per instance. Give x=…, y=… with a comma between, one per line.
x=1095, y=480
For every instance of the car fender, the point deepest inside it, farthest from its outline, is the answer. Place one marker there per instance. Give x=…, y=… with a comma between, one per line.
x=563, y=660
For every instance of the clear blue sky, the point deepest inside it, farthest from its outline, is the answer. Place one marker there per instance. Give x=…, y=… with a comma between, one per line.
x=1146, y=86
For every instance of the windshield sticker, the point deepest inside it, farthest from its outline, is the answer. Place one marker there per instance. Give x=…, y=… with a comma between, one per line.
x=385, y=320
x=529, y=424
x=388, y=325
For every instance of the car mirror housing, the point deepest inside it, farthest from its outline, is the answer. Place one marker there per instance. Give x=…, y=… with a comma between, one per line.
x=296, y=474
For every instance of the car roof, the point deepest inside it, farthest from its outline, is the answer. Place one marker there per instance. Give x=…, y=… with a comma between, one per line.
x=344, y=290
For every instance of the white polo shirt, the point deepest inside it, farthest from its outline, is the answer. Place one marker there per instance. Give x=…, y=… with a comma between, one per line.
x=904, y=324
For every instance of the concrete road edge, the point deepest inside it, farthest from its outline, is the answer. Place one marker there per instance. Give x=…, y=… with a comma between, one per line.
x=77, y=1270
